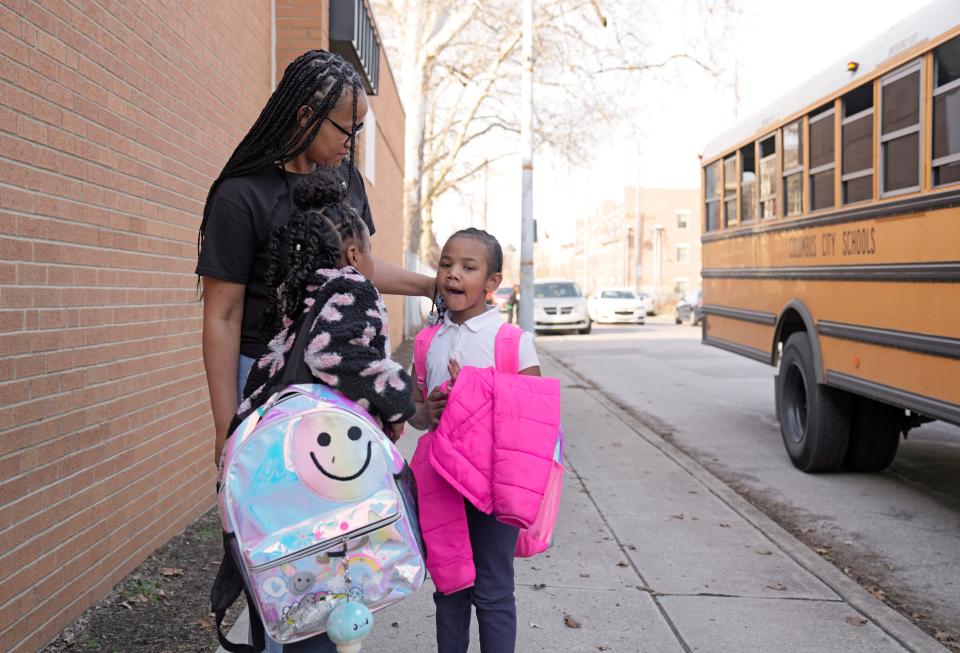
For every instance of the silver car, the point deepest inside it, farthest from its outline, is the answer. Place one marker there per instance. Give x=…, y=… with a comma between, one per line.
x=617, y=305
x=559, y=306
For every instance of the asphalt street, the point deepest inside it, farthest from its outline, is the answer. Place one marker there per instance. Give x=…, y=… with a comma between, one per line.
x=897, y=532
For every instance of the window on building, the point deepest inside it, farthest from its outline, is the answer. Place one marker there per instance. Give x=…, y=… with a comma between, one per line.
x=946, y=113
x=822, y=159
x=683, y=253
x=683, y=219
x=748, y=183
x=768, y=178
x=680, y=286
x=900, y=130
x=711, y=185
x=730, y=190
x=791, y=138
x=857, y=138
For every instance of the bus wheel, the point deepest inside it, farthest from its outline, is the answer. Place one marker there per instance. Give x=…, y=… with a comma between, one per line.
x=814, y=419
x=874, y=436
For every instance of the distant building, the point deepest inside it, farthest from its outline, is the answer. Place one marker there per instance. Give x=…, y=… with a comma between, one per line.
x=649, y=240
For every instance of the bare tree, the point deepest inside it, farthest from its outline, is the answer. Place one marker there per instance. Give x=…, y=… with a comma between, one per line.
x=459, y=71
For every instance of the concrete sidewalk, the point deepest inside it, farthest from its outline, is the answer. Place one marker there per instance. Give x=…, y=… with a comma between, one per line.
x=653, y=553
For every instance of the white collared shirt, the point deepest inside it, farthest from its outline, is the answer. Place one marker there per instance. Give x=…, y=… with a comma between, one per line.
x=471, y=343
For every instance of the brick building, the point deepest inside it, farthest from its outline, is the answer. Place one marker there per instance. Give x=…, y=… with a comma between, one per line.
x=114, y=120
x=664, y=261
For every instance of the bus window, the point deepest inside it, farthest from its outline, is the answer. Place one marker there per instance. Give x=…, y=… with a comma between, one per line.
x=946, y=113
x=712, y=186
x=822, y=160
x=730, y=190
x=792, y=169
x=900, y=130
x=748, y=184
x=768, y=178
x=857, y=139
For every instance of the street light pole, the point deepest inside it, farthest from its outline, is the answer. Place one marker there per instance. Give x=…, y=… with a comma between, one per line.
x=525, y=316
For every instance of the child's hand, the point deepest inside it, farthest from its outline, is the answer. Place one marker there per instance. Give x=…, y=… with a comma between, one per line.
x=394, y=431
x=453, y=367
x=435, y=404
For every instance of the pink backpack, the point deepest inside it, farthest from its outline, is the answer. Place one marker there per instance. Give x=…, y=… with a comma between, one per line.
x=539, y=536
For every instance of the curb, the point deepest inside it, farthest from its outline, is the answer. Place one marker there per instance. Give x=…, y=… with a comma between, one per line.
x=891, y=622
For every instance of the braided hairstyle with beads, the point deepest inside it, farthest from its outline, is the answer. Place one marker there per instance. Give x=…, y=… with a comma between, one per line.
x=313, y=239
x=316, y=79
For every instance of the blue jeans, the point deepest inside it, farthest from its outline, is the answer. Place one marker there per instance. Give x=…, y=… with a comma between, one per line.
x=320, y=643
x=492, y=593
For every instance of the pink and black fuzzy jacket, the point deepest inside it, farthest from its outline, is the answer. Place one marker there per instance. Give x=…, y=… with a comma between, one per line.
x=348, y=350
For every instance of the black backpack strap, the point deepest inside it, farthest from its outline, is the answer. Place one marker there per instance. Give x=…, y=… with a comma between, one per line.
x=227, y=587
x=296, y=369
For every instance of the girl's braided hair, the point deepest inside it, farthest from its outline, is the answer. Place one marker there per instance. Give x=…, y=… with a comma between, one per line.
x=313, y=239
x=316, y=79
x=494, y=251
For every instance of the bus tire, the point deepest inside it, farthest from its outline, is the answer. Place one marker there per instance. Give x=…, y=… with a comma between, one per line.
x=874, y=436
x=814, y=418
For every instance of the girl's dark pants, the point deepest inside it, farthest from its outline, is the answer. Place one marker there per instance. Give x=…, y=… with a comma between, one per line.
x=492, y=594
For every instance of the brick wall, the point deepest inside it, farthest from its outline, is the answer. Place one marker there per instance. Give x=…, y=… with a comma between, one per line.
x=114, y=119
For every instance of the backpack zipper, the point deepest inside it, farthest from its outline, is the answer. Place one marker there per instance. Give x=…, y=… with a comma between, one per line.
x=326, y=544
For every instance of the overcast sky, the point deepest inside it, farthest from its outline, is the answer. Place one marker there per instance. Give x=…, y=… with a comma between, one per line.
x=779, y=45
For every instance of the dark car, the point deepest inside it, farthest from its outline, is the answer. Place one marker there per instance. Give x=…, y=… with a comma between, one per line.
x=690, y=309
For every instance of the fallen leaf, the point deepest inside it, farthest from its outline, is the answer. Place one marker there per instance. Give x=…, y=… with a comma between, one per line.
x=680, y=516
x=855, y=621
x=204, y=622
x=631, y=547
x=161, y=594
x=171, y=571
x=570, y=622
x=603, y=648
x=777, y=586
x=941, y=636
x=533, y=625
x=127, y=605
x=394, y=625
x=878, y=593
x=822, y=550
x=763, y=552
x=584, y=575
x=539, y=586
x=722, y=525
x=622, y=564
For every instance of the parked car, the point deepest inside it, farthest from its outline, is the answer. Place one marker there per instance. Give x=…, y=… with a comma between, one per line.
x=501, y=299
x=648, y=303
x=559, y=306
x=617, y=305
x=690, y=309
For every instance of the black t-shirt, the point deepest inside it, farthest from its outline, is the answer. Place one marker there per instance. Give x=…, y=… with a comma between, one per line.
x=243, y=212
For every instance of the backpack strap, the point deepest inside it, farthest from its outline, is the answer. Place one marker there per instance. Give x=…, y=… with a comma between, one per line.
x=506, y=349
x=421, y=345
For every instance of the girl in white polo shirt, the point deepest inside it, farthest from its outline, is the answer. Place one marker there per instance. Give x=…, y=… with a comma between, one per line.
x=471, y=267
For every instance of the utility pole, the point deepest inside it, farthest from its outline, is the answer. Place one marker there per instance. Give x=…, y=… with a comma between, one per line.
x=526, y=151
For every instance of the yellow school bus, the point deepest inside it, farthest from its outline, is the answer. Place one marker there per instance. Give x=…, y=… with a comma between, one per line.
x=831, y=246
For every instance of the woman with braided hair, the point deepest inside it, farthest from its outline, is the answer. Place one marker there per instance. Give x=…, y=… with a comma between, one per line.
x=246, y=254
x=312, y=119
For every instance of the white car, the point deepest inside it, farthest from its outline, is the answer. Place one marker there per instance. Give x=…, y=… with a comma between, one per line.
x=617, y=305
x=559, y=306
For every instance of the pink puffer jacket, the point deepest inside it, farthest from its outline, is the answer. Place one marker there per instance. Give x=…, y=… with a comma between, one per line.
x=494, y=445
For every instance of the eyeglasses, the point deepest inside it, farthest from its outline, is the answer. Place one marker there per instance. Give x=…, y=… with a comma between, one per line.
x=346, y=132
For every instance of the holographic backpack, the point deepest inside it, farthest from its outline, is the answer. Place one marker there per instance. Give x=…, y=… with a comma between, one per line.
x=317, y=506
